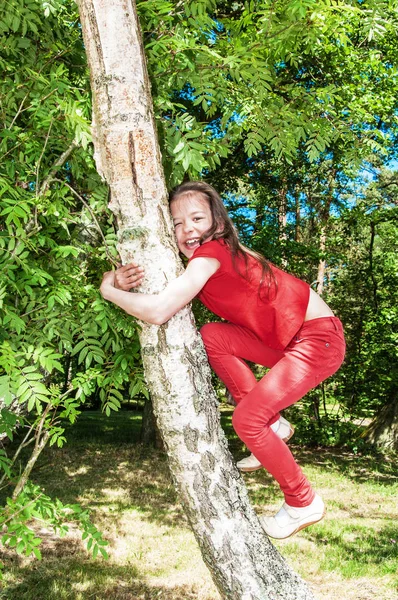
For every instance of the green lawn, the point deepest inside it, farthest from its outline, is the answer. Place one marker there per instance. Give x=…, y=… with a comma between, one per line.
x=351, y=555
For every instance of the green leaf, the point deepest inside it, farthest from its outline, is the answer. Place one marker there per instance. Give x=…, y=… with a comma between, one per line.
x=179, y=147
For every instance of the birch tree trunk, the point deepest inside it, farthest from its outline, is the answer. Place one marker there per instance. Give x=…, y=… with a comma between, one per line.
x=320, y=279
x=324, y=215
x=297, y=227
x=282, y=220
x=242, y=561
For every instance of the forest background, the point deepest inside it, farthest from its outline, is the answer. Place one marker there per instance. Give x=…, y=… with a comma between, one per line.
x=289, y=108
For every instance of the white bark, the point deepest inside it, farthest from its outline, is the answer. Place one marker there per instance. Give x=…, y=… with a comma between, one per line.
x=282, y=219
x=320, y=279
x=243, y=563
x=324, y=215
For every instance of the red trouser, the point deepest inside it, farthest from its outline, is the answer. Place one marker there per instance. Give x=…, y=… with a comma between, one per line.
x=315, y=353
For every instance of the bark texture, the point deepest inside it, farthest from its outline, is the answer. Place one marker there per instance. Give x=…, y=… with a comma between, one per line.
x=324, y=215
x=322, y=263
x=282, y=221
x=150, y=434
x=242, y=561
x=383, y=431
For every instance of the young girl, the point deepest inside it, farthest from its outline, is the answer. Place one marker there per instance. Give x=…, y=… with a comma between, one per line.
x=271, y=318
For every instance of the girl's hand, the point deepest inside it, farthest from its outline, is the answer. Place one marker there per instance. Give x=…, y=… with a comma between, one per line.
x=129, y=276
x=108, y=281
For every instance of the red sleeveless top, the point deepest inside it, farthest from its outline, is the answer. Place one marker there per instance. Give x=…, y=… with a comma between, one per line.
x=274, y=314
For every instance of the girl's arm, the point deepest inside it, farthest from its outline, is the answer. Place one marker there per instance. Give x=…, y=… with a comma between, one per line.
x=159, y=308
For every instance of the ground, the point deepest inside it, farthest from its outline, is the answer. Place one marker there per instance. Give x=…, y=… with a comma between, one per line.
x=351, y=555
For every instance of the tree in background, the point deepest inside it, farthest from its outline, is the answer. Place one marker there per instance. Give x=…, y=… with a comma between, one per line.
x=364, y=289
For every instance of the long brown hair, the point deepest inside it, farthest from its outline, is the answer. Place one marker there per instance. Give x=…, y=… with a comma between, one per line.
x=223, y=228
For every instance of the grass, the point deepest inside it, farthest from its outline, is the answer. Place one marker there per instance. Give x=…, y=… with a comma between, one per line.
x=351, y=555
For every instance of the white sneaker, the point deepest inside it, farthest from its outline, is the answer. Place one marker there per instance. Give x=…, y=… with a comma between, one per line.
x=250, y=463
x=290, y=519
x=285, y=430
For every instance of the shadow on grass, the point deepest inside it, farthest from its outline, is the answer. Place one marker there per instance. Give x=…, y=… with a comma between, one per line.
x=94, y=427
x=124, y=477
x=60, y=576
x=104, y=467
x=103, y=453
x=360, y=468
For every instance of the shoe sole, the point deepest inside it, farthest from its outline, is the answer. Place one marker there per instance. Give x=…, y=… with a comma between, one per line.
x=291, y=433
x=252, y=469
x=300, y=528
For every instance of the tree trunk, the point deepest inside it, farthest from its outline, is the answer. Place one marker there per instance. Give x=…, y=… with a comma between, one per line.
x=282, y=221
x=320, y=280
x=383, y=431
x=298, y=215
x=150, y=435
x=242, y=561
x=371, y=270
x=282, y=213
x=324, y=216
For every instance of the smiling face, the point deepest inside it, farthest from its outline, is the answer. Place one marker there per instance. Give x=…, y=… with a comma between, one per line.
x=192, y=218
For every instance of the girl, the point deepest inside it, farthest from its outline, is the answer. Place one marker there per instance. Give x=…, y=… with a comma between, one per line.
x=271, y=318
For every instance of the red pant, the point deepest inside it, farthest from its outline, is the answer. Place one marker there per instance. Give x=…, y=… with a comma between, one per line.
x=315, y=353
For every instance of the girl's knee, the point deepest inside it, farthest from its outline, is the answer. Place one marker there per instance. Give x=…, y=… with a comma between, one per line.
x=211, y=333
x=241, y=424
x=247, y=427
x=208, y=331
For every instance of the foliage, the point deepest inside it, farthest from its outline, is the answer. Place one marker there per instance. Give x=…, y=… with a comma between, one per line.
x=32, y=504
x=275, y=75
x=61, y=345
x=364, y=291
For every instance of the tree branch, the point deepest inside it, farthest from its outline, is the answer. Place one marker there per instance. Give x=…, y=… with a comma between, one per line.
x=98, y=227
x=41, y=156
x=22, y=509
x=58, y=163
x=372, y=239
x=41, y=441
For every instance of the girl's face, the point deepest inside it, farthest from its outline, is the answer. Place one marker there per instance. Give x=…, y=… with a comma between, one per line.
x=192, y=218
